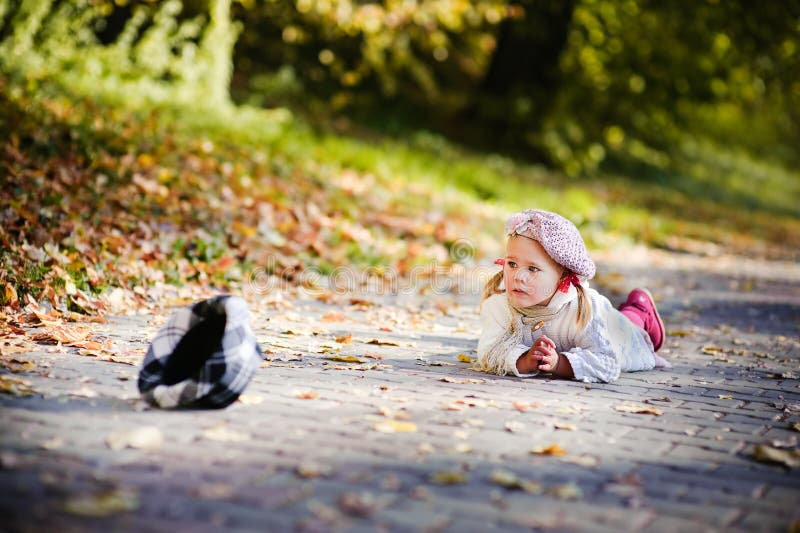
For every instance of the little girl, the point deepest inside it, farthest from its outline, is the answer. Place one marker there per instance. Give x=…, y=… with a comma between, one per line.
x=549, y=320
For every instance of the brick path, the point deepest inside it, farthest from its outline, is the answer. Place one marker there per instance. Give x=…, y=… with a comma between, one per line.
x=411, y=439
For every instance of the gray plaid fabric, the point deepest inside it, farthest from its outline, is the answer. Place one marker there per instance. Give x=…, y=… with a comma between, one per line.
x=204, y=356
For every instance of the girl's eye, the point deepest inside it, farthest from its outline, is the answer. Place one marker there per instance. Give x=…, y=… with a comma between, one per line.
x=512, y=264
x=533, y=269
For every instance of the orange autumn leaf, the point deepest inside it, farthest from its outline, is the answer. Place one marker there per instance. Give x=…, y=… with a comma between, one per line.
x=345, y=339
x=333, y=316
x=553, y=449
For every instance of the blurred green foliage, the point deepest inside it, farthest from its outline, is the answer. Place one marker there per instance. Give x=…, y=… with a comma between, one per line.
x=579, y=85
x=662, y=103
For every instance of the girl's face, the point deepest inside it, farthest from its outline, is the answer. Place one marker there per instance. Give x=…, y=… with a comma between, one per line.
x=530, y=275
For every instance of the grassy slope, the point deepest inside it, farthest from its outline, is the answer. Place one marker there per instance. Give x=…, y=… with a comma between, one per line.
x=177, y=195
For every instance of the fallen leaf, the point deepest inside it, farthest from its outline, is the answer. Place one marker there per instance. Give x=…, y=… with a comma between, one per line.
x=379, y=342
x=84, y=392
x=223, y=434
x=553, y=449
x=581, y=460
x=346, y=359
x=15, y=347
x=104, y=504
x=509, y=480
x=66, y=335
x=725, y=397
x=346, y=339
x=141, y=438
x=712, y=350
x=661, y=399
x=333, y=316
x=524, y=406
x=307, y=395
x=464, y=358
x=565, y=426
x=768, y=454
x=392, y=426
x=790, y=442
x=213, y=491
x=310, y=469
x=631, y=407
x=568, y=491
x=250, y=399
x=397, y=415
x=445, y=477
x=16, y=386
x=53, y=444
x=462, y=447
x=360, y=504
x=513, y=426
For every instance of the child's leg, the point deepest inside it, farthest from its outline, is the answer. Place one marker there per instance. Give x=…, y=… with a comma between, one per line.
x=633, y=314
x=641, y=310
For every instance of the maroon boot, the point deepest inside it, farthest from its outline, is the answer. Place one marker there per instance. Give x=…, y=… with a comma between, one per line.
x=641, y=310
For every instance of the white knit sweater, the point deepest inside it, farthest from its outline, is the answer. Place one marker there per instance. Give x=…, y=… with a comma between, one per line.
x=610, y=343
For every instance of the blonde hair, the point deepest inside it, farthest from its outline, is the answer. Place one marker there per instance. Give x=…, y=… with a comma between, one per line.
x=583, y=316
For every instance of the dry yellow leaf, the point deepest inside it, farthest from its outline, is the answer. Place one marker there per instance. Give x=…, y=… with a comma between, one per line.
x=346, y=359
x=725, y=397
x=509, y=480
x=553, y=449
x=250, y=399
x=103, y=504
x=581, y=460
x=464, y=358
x=392, y=426
x=524, y=406
x=569, y=491
x=142, y=438
x=712, y=350
x=62, y=334
x=448, y=478
x=221, y=433
x=768, y=454
x=637, y=408
x=565, y=426
x=307, y=395
x=379, y=342
x=346, y=339
x=15, y=386
x=333, y=316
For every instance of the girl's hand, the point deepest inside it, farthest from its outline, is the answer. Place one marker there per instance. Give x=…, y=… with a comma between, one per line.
x=544, y=352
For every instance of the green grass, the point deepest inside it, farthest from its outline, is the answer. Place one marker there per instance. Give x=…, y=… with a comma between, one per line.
x=205, y=174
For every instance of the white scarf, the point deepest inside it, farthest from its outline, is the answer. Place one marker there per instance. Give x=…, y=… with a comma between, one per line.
x=534, y=317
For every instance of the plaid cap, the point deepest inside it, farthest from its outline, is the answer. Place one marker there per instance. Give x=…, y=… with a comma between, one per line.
x=558, y=236
x=204, y=356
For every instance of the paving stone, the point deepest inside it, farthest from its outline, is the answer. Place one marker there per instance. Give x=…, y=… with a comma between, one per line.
x=286, y=463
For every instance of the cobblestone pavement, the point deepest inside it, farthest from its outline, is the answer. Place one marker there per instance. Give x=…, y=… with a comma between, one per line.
x=389, y=430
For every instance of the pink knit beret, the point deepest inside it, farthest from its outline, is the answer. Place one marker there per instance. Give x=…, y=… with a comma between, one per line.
x=558, y=236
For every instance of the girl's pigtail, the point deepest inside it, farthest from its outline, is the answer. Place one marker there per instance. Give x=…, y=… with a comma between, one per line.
x=584, y=308
x=492, y=286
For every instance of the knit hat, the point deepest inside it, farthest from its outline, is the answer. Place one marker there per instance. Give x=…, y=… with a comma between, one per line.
x=204, y=356
x=558, y=236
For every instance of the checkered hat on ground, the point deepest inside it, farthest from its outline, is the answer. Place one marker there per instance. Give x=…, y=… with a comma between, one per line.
x=204, y=356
